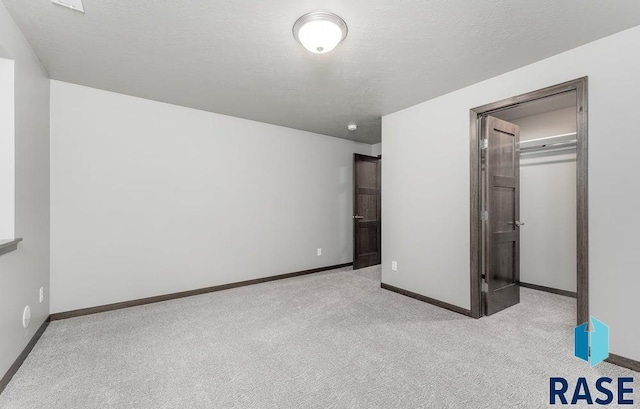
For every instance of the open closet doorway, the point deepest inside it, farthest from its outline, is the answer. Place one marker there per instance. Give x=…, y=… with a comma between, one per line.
x=529, y=198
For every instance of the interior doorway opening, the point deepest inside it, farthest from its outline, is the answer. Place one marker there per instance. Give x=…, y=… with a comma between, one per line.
x=529, y=225
x=548, y=186
x=367, y=211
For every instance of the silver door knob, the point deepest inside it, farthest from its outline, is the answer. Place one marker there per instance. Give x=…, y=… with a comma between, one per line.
x=358, y=217
x=519, y=223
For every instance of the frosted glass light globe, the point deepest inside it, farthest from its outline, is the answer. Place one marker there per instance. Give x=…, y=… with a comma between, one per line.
x=320, y=32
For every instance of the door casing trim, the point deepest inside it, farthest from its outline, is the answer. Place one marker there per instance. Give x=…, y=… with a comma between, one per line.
x=580, y=87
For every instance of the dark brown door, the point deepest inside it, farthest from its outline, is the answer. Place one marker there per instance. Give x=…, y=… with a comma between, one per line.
x=502, y=181
x=367, y=237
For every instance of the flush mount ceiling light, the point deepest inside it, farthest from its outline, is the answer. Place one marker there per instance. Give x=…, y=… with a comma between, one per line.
x=320, y=32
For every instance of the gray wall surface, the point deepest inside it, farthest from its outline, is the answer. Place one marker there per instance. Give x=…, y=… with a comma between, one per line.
x=425, y=202
x=150, y=198
x=7, y=150
x=376, y=149
x=548, y=240
x=24, y=271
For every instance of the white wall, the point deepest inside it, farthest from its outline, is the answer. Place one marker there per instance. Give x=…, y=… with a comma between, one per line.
x=548, y=240
x=25, y=270
x=7, y=150
x=426, y=182
x=376, y=149
x=150, y=198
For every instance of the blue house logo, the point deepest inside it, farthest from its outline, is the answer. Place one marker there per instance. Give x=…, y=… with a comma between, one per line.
x=593, y=346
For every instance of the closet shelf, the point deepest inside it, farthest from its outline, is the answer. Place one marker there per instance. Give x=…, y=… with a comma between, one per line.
x=8, y=245
x=550, y=143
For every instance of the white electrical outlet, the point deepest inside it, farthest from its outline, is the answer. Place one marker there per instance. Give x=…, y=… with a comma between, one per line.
x=394, y=266
x=41, y=294
x=319, y=251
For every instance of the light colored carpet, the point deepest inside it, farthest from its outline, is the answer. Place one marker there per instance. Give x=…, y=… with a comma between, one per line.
x=326, y=340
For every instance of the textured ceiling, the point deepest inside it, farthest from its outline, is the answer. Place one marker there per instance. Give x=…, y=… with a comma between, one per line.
x=239, y=57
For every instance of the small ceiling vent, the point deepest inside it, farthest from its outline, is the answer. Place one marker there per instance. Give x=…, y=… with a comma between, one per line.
x=72, y=4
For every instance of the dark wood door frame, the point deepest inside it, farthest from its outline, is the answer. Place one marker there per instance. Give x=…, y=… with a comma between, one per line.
x=580, y=87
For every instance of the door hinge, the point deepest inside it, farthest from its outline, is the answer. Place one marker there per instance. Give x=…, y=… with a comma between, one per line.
x=484, y=216
x=484, y=144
